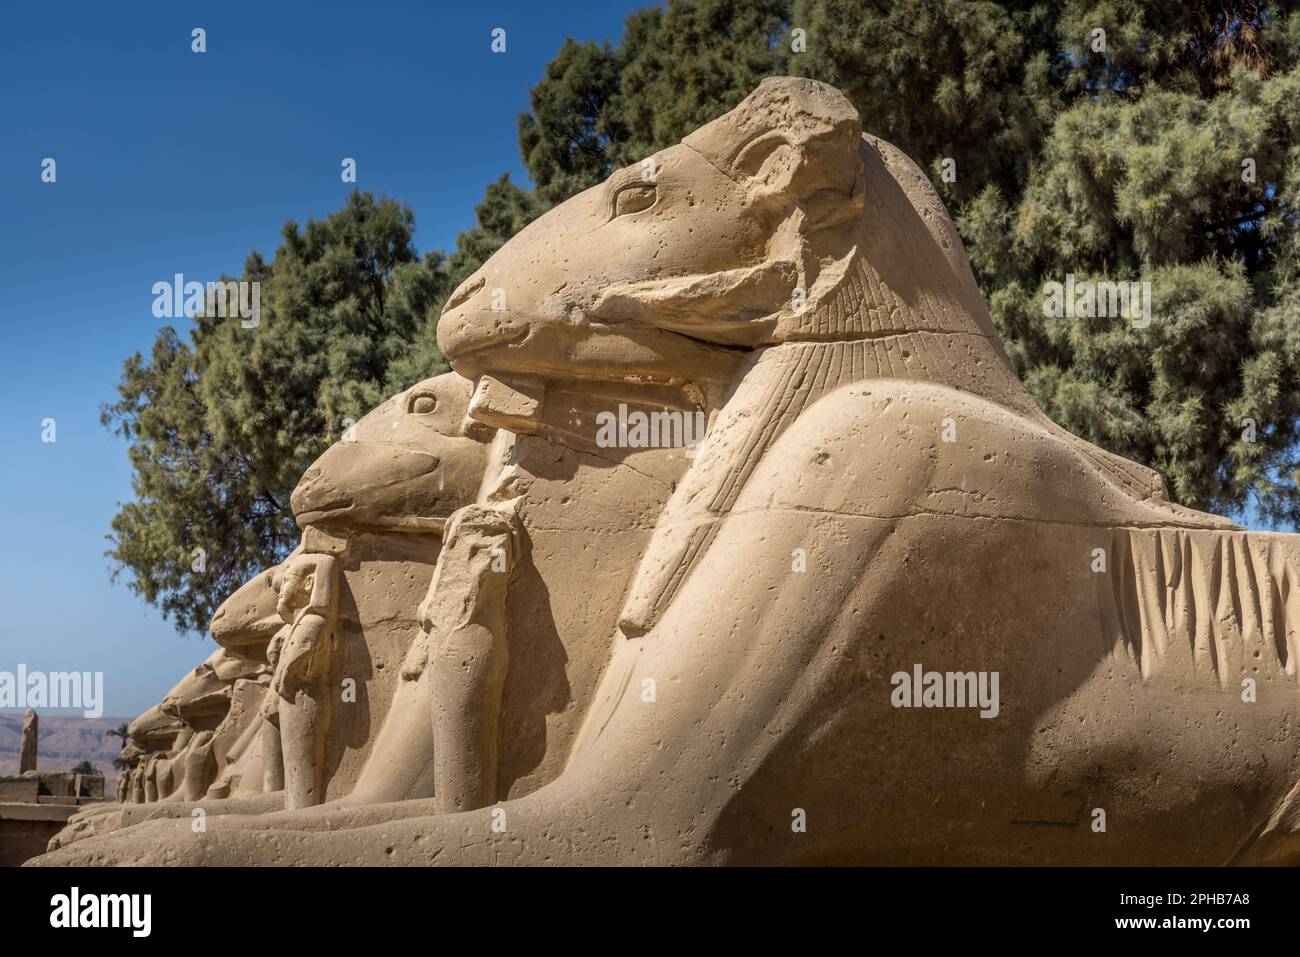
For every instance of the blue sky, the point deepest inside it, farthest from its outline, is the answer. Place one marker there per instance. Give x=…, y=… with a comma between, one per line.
x=170, y=161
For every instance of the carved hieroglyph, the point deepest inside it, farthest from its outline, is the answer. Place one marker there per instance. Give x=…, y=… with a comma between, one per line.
x=887, y=612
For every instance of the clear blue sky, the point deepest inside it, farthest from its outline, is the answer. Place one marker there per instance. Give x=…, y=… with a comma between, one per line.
x=170, y=161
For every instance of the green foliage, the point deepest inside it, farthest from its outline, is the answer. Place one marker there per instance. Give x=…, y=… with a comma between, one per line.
x=599, y=109
x=564, y=138
x=85, y=767
x=1143, y=182
x=221, y=426
x=123, y=733
x=975, y=81
x=504, y=210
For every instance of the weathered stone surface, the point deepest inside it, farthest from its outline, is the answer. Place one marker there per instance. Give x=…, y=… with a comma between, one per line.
x=26, y=829
x=28, y=753
x=885, y=612
x=380, y=530
x=19, y=789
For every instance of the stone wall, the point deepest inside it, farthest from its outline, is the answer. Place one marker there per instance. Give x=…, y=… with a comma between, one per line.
x=35, y=806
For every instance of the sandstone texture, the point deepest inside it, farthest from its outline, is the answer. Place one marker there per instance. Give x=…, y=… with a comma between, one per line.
x=877, y=609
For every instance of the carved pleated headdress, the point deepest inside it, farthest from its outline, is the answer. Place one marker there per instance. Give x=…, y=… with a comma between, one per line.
x=888, y=293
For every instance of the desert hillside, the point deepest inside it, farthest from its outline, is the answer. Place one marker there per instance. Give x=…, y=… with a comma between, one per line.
x=65, y=740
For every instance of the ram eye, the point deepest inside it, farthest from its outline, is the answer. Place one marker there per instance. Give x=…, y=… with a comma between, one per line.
x=421, y=403
x=633, y=199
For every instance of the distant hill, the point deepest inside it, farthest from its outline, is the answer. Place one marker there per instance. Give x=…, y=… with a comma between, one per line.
x=63, y=742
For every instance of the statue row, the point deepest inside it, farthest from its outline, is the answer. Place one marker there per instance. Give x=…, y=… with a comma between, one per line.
x=885, y=611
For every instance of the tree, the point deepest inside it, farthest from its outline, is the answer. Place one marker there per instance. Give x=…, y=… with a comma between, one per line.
x=565, y=139
x=122, y=732
x=85, y=767
x=598, y=109
x=504, y=210
x=1173, y=162
x=222, y=424
x=975, y=82
x=1151, y=188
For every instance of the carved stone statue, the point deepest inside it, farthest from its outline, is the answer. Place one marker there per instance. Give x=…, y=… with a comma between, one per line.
x=301, y=655
x=468, y=654
x=381, y=525
x=178, y=747
x=211, y=705
x=885, y=612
